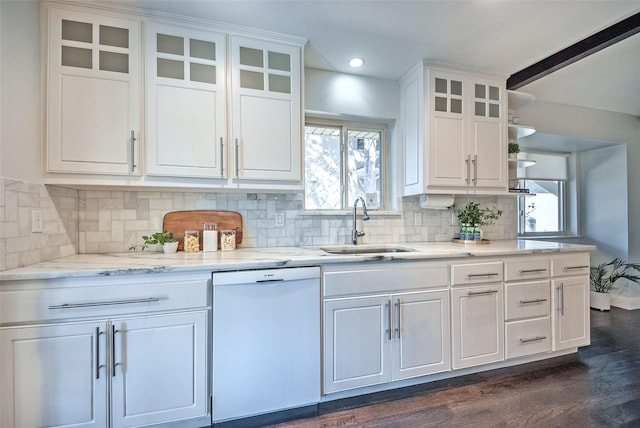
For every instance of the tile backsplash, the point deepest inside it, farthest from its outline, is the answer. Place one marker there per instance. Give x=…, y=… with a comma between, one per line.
x=104, y=221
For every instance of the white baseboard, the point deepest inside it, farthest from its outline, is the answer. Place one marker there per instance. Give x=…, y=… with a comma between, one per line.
x=624, y=302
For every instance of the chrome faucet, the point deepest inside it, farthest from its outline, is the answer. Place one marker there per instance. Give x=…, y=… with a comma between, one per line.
x=354, y=232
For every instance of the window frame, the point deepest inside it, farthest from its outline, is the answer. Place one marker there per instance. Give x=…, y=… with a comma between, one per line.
x=562, y=212
x=345, y=126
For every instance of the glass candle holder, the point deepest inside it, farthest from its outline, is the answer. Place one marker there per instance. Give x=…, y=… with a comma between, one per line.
x=191, y=241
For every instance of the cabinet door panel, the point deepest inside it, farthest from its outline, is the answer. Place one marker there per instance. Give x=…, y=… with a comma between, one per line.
x=186, y=129
x=93, y=93
x=491, y=163
x=263, y=121
x=478, y=326
x=356, y=342
x=422, y=335
x=49, y=376
x=160, y=369
x=571, y=316
x=447, y=161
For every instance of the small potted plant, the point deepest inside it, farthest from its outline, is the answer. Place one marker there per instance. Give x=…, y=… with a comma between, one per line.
x=167, y=240
x=475, y=216
x=603, y=278
x=514, y=149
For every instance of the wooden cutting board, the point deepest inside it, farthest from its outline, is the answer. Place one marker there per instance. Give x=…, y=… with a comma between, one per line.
x=177, y=222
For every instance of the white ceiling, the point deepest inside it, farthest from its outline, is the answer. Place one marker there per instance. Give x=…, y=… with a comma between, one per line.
x=502, y=36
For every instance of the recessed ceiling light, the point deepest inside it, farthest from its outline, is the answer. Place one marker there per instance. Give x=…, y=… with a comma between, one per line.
x=356, y=62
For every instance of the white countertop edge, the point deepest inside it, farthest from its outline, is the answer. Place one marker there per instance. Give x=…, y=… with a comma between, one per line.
x=113, y=264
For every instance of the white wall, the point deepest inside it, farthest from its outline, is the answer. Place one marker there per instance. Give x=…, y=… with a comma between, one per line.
x=20, y=91
x=604, y=202
x=565, y=120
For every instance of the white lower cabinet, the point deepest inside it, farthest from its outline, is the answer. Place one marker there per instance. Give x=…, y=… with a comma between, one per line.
x=53, y=376
x=571, y=312
x=146, y=364
x=377, y=339
x=384, y=322
x=477, y=325
x=159, y=369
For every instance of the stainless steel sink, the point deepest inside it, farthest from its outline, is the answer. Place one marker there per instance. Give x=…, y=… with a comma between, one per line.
x=365, y=250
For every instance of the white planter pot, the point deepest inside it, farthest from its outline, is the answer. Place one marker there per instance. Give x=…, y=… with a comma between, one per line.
x=601, y=301
x=170, y=247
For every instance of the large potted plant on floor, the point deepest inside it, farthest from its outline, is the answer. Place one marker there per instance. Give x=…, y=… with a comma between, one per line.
x=603, y=278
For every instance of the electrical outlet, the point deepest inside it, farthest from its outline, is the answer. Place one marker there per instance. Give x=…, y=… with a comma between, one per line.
x=280, y=219
x=417, y=219
x=454, y=219
x=37, y=221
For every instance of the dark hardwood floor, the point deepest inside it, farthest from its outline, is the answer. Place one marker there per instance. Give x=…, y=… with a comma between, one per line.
x=598, y=387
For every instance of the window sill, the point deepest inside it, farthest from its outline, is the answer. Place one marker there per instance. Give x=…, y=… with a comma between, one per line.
x=340, y=213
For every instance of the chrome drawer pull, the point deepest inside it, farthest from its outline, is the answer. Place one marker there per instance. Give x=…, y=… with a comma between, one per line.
x=526, y=302
x=481, y=293
x=533, y=271
x=105, y=303
x=475, y=275
x=566, y=268
x=535, y=339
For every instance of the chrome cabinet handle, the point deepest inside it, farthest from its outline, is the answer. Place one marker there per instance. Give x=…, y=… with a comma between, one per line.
x=388, y=330
x=481, y=293
x=533, y=339
x=475, y=169
x=566, y=268
x=98, y=365
x=221, y=158
x=524, y=271
x=468, y=161
x=113, y=350
x=560, y=291
x=237, y=160
x=526, y=302
x=132, y=163
x=476, y=275
x=103, y=303
x=398, y=318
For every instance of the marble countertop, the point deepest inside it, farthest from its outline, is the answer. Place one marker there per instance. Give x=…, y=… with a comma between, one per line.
x=98, y=265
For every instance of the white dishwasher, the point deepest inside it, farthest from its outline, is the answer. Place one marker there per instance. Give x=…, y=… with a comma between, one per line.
x=266, y=341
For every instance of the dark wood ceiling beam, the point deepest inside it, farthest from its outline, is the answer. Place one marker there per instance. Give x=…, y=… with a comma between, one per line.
x=592, y=44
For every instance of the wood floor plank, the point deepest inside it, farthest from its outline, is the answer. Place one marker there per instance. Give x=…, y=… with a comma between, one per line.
x=598, y=387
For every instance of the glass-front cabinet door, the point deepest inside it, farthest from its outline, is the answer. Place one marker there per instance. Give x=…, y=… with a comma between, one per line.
x=186, y=102
x=266, y=118
x=93, y=87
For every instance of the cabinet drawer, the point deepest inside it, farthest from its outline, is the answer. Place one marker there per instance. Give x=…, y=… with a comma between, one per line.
x=476, y=273
x=82, y=299
x=526, y=269
x=527, y=337
x=527, y=300
x=387, y=278
x=574, y=264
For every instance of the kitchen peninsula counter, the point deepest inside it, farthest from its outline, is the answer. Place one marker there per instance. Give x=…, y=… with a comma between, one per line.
x=113, y=264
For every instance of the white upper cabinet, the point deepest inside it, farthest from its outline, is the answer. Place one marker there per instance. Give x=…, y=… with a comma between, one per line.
x=93, y=88
x=185, y=102
x=454, y=132
x=266, y=110
x=221, y=109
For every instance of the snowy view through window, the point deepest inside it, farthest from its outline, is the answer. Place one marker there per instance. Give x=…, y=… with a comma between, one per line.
x=335, y=173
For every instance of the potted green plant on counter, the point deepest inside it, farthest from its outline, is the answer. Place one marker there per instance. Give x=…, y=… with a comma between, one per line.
x=167, y=240
x=604, y=277
x=474, y=216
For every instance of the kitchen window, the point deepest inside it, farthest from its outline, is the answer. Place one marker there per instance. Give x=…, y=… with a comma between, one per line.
x=543, y=212
x=343, y=161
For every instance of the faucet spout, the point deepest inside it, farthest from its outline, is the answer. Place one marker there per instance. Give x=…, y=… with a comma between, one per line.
x=355, y=234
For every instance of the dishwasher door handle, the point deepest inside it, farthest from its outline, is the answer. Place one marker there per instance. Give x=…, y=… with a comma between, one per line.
x=262, y=281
